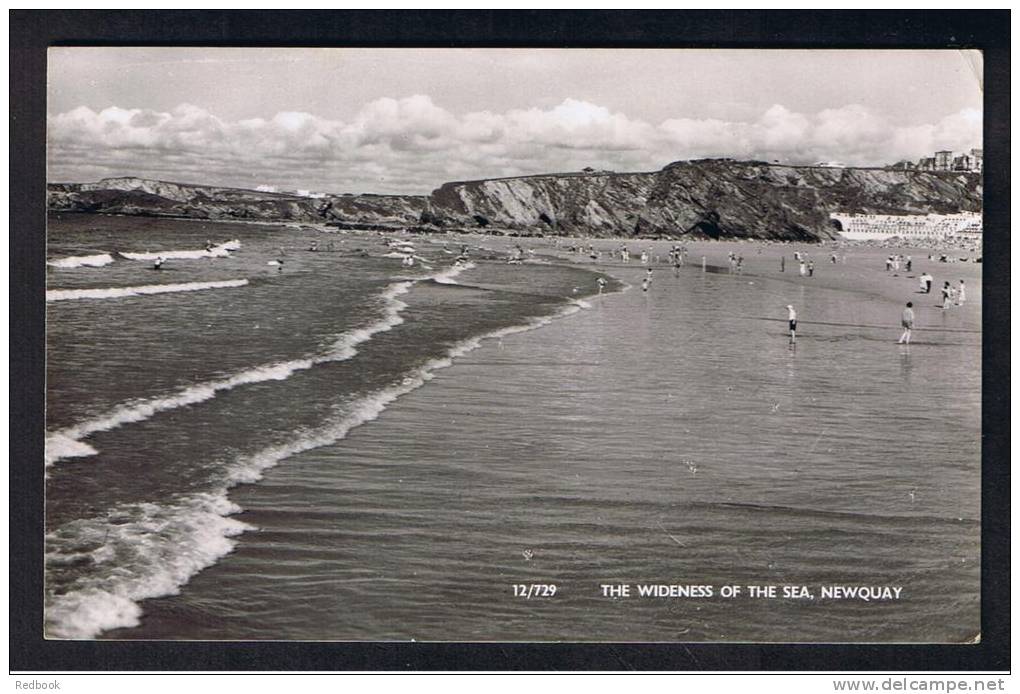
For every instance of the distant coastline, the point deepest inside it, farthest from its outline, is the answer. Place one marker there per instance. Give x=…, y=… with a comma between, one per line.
x=707, y=198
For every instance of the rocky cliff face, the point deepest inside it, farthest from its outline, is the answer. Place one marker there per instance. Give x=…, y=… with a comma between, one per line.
x=162, y=198
x=715, y=198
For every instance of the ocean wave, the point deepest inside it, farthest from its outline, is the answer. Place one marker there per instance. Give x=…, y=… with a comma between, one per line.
x=66, y=443
x=369, y=407
x=136, y=552
x=98, y=260
x=141, y=290
x=149, y=550
x=219, y=251
x=447, y=276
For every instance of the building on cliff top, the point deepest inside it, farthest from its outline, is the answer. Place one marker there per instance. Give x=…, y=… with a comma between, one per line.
x=913, y=227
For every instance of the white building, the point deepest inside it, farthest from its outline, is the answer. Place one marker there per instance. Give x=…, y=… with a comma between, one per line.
x=913, y=227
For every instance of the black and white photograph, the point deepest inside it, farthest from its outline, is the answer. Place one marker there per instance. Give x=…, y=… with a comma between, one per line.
x=481, y=345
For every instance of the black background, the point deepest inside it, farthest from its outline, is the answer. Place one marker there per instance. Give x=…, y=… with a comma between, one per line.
x=31, y=32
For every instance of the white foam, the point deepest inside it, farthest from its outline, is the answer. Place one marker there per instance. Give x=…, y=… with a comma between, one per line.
x=66, y=443
x=145, y=551
x=447, y=276
x=145, y=289
x=219, y=251
x=249, y=469
x=149, y=550
x=98, y=260
x=59, y=445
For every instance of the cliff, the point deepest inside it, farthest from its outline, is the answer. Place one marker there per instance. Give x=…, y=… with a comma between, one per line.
x=139, y=196
x=713, y=197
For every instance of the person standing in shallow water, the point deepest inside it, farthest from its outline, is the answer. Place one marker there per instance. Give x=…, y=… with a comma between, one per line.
x=907, y=320
x=961, y=294
x=792, y=315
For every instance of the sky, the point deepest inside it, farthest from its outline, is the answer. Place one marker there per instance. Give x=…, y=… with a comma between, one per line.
x=407, y=120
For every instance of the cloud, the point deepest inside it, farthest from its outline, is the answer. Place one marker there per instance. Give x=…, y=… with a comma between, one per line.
x=411, y=144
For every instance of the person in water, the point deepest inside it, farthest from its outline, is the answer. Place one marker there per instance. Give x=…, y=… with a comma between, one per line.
x=792, y=316
x=602, y=284
x=907, y=321
x=158, y=264
x=961, y=294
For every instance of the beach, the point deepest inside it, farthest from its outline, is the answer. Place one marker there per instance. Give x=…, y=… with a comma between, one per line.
x=342, y=448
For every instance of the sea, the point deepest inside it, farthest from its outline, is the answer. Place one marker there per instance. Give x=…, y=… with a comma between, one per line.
x=287, y=434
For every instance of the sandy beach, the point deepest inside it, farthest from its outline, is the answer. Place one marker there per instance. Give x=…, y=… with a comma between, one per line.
x=347, y=449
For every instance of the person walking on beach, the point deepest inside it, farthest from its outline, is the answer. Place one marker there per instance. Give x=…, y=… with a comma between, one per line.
x=927, y=279
x=803, y=268
x=910, y=262
x=961, y=294
x=782, y=263
x=648, y=276
x=907, y=321
x=947, y=292
x=792, y=315
x=888, y=264
x=811, y=268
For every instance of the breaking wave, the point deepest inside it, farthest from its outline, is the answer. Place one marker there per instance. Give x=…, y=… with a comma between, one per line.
x=121, y=292
x=137, y=551
x=146, y=550
x=98, y=260
x=219, y=251
x=66, y=443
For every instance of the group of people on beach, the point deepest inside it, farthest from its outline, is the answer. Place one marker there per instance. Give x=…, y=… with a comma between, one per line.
x=894, y=262
x=678, y=257
x=805, y=266
x=950, y=295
